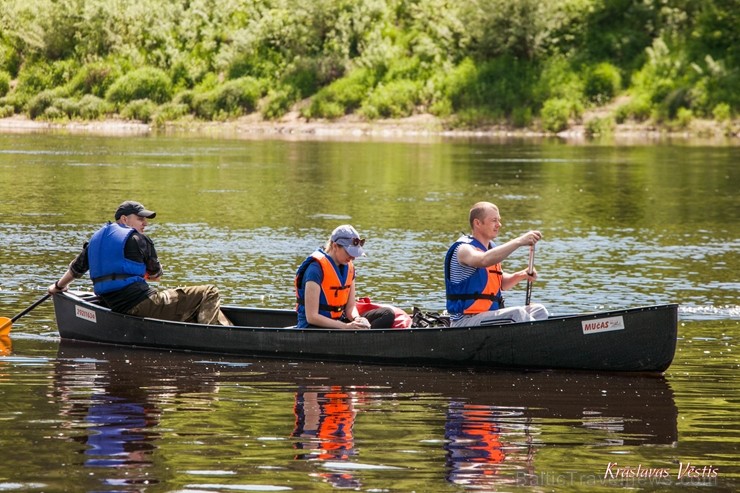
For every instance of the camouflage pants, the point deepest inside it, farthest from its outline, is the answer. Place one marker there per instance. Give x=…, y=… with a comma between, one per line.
x=200, y=304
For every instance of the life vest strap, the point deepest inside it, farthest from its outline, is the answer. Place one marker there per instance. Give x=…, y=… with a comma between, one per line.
x=337, y=289
x=113, y=277
x=328, y=308
x=474, y=296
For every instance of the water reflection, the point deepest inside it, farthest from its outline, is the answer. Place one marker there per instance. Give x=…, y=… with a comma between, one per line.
x=487, y=445
x=488, y=427
x=112, y=414
x=324, y=422
x=637, y=214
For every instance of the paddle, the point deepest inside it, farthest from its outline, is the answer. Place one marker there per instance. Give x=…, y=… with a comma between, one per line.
x=7, y=323
x=530, y=271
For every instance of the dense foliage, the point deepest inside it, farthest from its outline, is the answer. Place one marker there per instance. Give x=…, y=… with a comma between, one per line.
x=480, y=62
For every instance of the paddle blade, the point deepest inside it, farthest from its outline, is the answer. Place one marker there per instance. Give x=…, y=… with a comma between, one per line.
x=5, y=325
x=6, y=346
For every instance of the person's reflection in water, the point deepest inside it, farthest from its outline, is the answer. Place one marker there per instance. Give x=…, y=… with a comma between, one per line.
x=324, y=422
x=118, y=436
x=476, y=450
x=117, y=419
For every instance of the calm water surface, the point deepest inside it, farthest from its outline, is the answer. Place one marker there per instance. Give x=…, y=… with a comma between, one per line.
x=623, y=225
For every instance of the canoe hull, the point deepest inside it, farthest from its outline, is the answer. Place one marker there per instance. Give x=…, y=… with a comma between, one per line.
x=634, y=340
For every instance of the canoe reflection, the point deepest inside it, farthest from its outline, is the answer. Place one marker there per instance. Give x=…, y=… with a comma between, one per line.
x=489, y=423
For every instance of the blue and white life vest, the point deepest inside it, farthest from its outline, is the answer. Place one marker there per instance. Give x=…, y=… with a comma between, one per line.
x=478, y=293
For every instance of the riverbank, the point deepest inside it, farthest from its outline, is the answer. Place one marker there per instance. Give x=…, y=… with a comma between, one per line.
x=353, y=128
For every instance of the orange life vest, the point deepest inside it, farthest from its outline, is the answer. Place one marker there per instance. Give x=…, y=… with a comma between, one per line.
x=334, y=292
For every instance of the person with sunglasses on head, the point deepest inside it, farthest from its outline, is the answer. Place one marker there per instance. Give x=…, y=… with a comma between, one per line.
x=325, y=286
x=474, y=278
x=121, y=258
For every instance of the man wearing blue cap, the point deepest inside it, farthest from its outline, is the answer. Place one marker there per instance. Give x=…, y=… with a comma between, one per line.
x=120, y=258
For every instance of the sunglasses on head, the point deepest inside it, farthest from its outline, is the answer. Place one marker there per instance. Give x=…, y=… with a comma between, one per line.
x=354, y=241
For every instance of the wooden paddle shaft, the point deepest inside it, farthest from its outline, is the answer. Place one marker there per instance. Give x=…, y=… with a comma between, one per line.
x=530, y=271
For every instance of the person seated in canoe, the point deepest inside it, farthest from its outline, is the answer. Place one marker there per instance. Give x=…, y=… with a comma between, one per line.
x=325, y=286
x=474, y=278
x=120, y=258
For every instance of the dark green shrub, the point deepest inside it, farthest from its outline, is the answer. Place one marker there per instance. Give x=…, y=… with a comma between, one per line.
x=324, y=109
x=144, y=83
x=262, y=62
x=279, y=102
x=602, y=83
x=232, y=99
x=16, y=101
x=441, y=107
x=6, y=110
x=722, y=112
x=341, y=96
x=557, y=79
x=683, y=119
x=93, y=108
x=453, y=82
x=181, y=76
x=34, y=78
x=599, y=127
x=405, y=68
x=4, y=83
x=506, y=84
x=477, y=118
x=521, y=117
x=303, y=76
x=185, y=97
x=70, y=107
x=139, y=109
x=640, y=109
x=94, y=78
x=395, y=99
x=556, y=114
x=53, y=113
x=667, y=108
x=499, y=85
x=41, y=101
x=169, y=112
x=10, y=60
x=37, y=77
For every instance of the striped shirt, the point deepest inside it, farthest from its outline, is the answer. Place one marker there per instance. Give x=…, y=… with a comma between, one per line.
x=460, y=273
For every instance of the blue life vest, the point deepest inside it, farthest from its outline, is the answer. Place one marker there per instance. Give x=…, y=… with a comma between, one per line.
x=109, y=269
x=334, y=287
x=480, y=292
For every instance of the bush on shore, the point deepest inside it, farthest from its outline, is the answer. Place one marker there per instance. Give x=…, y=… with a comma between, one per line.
x=144, y=83
x=4, y=83
x=513, y=62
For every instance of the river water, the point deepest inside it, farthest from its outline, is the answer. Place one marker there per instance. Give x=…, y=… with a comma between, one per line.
x=623, y=225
